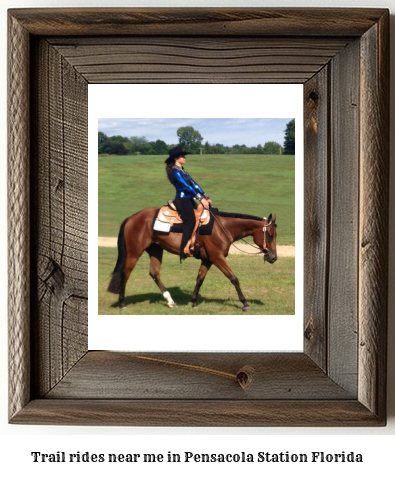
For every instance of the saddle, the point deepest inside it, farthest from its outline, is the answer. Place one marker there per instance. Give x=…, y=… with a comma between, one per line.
x=168, y=216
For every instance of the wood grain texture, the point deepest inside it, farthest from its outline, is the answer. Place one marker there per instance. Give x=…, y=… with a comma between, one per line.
x=345, y=322
x=201, y=413
x=344, y=216
x=316, y=214
x=184, y=60
x=374, y=223
x=282, y=376
x=61, y=198
x=175, y=22
x=18, y=218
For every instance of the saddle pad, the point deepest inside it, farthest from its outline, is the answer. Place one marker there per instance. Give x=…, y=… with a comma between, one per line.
x=161, y=226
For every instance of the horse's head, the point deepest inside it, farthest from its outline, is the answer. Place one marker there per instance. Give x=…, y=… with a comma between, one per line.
x=265, y=238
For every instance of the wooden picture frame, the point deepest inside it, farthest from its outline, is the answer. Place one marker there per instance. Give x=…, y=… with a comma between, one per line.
x=342, y=58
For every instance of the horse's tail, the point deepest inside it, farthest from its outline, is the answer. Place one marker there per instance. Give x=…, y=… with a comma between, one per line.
x=118, y=272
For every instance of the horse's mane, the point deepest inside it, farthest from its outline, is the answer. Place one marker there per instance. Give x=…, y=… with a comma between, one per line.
x=237, y=215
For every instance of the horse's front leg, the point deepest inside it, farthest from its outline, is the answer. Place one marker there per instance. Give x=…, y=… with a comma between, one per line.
x=204, y=268
x=224, y=267
x=235, y=282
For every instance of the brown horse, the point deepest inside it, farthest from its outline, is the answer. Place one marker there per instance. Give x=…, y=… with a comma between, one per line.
x=136, y=235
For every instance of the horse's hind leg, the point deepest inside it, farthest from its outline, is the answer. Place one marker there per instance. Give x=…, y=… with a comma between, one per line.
x=131, y=261
x=204, y=268
x=156, y=254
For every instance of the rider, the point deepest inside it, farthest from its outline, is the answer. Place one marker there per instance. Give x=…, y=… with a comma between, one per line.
x=187, y=190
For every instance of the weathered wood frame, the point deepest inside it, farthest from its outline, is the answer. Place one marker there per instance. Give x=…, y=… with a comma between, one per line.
x=342, y=57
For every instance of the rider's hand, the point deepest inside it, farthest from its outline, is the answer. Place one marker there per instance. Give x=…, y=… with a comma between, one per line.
x=206, y=203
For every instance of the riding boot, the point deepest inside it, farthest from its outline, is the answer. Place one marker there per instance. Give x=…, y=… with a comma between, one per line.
x=187, y=250
x=185, y=208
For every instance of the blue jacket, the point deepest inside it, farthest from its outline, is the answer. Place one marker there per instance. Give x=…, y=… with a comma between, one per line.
x=186, y=186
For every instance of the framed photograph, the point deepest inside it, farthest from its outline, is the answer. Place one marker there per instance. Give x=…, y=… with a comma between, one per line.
x=341, y=59
x=239, y=160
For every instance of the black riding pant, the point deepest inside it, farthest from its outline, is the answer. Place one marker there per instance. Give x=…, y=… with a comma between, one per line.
x=185, y=208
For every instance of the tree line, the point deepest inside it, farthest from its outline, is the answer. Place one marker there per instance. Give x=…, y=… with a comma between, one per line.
x=192, y=141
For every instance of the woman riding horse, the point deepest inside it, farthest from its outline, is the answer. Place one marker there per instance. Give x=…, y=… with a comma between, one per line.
x=136, y=236
x=187, y=190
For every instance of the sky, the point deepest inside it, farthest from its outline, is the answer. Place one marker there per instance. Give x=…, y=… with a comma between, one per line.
x=226, y=131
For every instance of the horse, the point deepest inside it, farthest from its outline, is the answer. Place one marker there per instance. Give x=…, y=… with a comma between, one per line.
x=136, y=236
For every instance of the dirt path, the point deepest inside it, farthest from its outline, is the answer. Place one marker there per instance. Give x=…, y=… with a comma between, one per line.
x=284, y=251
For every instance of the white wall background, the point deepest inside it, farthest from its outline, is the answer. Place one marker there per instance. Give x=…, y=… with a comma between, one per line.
x=18, y=441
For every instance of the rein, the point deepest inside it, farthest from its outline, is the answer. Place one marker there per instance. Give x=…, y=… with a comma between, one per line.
x=242, y=239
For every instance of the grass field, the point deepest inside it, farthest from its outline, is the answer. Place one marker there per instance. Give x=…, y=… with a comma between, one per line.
x=270, y=289
x=249, y=184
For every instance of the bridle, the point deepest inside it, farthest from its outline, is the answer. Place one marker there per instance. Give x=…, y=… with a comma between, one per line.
x=263, y=251
x=264, y=229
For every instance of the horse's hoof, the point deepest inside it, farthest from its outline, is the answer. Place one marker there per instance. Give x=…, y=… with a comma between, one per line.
x=122, y=308
x=246, y=308
x=171, y=305
x=195, y=305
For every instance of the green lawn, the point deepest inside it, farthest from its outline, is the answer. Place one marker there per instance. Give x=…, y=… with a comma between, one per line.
x=249, y=184
x=270, y=289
